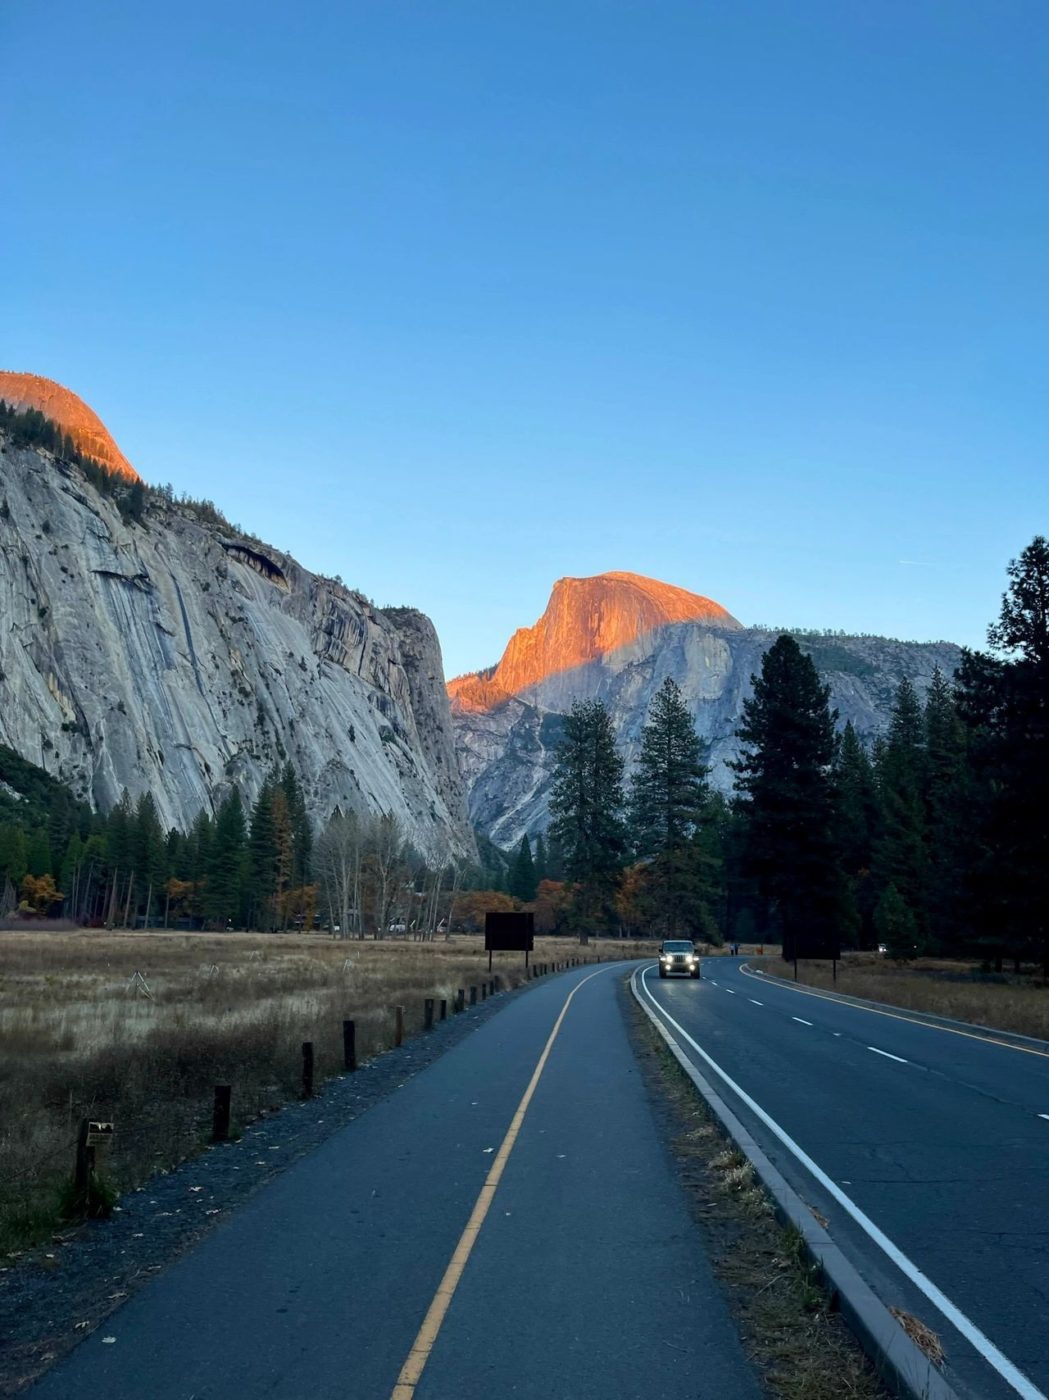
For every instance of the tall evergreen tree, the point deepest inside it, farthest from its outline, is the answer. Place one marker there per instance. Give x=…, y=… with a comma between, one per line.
x=784, y=779
x=900, y=856
x=227, y=864
x=1004, y=699
x=586, y=804
x=857, y=827
x=539, y=858
x=949, y=829
x=669, y=801
x=523, y=881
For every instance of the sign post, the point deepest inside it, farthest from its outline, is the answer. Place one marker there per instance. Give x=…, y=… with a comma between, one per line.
x=505, y=933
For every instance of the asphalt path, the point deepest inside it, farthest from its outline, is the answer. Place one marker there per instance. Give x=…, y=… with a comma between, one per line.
x=507, y=1223
x=939, y=1138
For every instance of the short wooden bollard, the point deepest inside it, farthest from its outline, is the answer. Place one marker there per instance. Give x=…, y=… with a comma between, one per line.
x=84, y=1169
x=349, y=1045
x=428, y=1014
x=460, y=999
x=398, y=1032
x=307, y=1069
x=484, y=991
x=220, y=1113
x=444, y=1010
x=473, y=996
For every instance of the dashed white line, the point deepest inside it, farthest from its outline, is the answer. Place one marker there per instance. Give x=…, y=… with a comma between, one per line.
x=1043, y=1115
x=729, y=990
x=898, y=1058
x=712, y=982
x=756, y=1003
x=800, y=1021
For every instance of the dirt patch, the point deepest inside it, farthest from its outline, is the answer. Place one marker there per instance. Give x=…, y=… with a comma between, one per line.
x=801, y=1348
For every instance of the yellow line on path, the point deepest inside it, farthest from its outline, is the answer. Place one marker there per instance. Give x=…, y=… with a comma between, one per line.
x=423, y=1345
x=771, y=980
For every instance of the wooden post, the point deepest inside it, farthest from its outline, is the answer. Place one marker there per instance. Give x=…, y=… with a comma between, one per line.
x=307, y=1069
x=473, y=996
x=444, y=1009
x=428, y=1014
x=349, y=1045
x=398, y=1033
x=460, y=999
x=220, y=1113
x=84, y=1169
x=484, y=991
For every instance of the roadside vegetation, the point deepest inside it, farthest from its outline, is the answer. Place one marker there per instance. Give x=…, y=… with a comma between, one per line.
x=139, y=1028
x=964, y=991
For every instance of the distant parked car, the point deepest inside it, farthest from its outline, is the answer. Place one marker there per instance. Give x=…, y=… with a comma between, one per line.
x=678, y=958
x=398, y=928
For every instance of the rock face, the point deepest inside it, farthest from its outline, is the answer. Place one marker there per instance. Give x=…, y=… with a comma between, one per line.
x=508, y=720
x=71, y=414
x=173, y=657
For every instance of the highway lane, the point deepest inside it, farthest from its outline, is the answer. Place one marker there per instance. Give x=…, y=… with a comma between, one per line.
x=936, y=1137
x=586, y=1277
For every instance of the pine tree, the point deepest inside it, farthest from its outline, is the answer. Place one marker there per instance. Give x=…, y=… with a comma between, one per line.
x=539, y=859
x=900, y=857
x=1004, y=700
x=262, y=859
x=788, y=810
x=227, y=863
x=586, y=804
x=949, y=832
x=523, y=881
x=39, y=853
x=669, y=804
x=148, y=854
x=857, y=827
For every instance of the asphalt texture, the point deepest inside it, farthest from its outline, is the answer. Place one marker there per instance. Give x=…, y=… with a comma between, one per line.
x=587, y=1280
x=944, y=1147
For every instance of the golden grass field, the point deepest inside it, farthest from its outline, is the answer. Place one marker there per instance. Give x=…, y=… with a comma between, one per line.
x=960, y=990
x=79, y=1037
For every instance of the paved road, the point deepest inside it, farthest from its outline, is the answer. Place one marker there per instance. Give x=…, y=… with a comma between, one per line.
x=941, y=1139
x=586, y=1280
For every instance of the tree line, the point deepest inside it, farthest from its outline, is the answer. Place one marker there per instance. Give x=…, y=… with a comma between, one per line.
x=934, y=840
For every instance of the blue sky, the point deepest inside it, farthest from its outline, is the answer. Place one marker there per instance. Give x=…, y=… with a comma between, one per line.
x=454, y=299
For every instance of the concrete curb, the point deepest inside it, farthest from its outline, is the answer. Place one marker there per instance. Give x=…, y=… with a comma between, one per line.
x=924, y=1018
x=899, y=1361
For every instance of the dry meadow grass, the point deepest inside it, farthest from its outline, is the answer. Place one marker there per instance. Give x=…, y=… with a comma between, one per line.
x=80, y=1037
x=960, y=990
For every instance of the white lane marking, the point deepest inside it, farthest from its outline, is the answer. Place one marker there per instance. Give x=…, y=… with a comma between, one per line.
x=712, y=982
x=800, y=1021
x=757, y=1003
x=898, y=1058
x=729, y=990
x=1009, y=1372
x=836, y=1034
x=1043, y=1115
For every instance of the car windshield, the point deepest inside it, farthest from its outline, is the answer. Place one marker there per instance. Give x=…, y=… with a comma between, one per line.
x=678, y=947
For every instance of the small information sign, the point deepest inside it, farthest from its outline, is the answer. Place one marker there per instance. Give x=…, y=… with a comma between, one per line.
x=98, y=1134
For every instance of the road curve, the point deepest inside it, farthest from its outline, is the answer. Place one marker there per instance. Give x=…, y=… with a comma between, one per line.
x=939, y=1140
x=585, y=1277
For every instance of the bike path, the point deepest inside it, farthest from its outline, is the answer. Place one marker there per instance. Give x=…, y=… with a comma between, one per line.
x=587, y=1277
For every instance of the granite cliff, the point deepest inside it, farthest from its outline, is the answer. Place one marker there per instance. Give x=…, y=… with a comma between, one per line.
x=173, y=655
x=620, y=636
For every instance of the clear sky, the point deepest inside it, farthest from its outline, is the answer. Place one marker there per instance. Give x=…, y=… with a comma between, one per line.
x=454, y=299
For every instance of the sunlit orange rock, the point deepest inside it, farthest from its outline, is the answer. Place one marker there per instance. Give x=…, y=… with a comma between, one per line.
x=71, y=414
x=586, y=618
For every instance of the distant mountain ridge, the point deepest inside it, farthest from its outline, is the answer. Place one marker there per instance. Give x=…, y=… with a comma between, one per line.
x=508, y=720
x=70, y=413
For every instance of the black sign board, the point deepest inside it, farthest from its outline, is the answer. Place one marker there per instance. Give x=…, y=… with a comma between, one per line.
x=505, y=933
x=813, y=943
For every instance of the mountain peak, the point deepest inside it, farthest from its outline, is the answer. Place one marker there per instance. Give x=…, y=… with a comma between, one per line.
x=586, y=618
x=72, y=415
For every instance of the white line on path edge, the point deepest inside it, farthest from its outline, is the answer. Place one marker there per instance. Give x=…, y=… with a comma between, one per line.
x=729, y=990
x=757, y=1003
x=898, y=1058
x=800, y=1021
x=1043, y=1115
x=1009, y=1372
